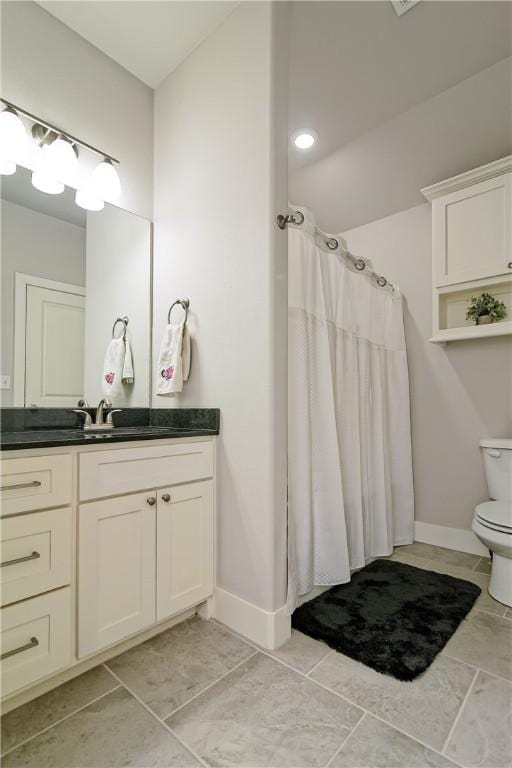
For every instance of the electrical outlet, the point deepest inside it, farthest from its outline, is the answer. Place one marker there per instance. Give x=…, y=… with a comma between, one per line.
x=5, y=382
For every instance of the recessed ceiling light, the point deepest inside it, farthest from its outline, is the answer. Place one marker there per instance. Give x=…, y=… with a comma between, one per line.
x=304, y=139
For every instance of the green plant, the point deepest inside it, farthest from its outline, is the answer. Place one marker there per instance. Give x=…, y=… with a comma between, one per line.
x=485, y=304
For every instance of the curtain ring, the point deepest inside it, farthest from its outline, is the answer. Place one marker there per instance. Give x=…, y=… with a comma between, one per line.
x=382, y=281
x=332, y=243
x=360, y=264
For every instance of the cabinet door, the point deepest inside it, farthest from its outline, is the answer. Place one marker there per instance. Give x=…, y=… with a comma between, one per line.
x=116, y=568
x=184, y=547
x=471, y=232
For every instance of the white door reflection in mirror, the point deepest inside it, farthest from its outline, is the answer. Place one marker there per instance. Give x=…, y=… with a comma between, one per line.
x=54, y=361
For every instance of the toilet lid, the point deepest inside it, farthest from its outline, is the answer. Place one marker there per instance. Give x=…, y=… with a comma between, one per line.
x=496, y=513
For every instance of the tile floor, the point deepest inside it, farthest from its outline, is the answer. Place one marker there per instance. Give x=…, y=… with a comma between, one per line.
x=200, y=695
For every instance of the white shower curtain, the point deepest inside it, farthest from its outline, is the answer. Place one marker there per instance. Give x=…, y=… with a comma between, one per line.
x=350, y=490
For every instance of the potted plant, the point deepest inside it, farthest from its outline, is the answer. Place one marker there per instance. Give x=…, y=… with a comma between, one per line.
x=485, y=309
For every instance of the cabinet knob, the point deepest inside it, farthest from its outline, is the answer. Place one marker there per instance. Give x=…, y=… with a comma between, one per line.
x=166, y=497
x=151, y=501
x=509, y=265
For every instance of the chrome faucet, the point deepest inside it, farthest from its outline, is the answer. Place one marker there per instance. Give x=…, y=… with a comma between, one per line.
x=99, y=422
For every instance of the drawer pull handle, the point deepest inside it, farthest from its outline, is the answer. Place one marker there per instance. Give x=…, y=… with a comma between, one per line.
x=32, y=644
x=151, y=501
x=33, y=484
x=166, y=497
x=25, y=559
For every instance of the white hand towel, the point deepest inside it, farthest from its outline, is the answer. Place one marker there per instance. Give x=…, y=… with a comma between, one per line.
x=128, y=376
x=171, y=370
x=117, y=368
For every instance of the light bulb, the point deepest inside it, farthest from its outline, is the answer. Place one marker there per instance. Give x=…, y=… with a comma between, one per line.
x=88, y=200
x=62, y=162
x=6, y=167
x=43, y=177
x=105, y=182
x=13, y=137
x=304, y=139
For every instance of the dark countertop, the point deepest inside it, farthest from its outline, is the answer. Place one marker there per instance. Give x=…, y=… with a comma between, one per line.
x=54, y=438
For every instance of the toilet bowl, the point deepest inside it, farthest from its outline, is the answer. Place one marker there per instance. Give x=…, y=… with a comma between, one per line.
x=492, y=522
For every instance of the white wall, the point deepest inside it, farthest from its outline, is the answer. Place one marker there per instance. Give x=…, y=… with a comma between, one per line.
x=459, y=393
x=54, y=73
x=220, y=176
x=40, y=245
x=118, y=284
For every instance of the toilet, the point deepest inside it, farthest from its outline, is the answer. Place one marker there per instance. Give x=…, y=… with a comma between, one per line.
x=492, y=522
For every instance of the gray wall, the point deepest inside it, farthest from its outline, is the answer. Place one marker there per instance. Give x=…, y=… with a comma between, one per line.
x=54, y=73
x=459, y=393
x=40, y=245
x=382, y=171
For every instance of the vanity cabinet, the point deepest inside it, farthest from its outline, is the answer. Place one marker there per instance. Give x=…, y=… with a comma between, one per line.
x=142, y=558
x=116, y=570
x=184, y=547
x=125, y=545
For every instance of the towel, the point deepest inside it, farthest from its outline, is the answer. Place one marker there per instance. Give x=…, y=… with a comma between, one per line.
x=173, y=360
x=117, y=367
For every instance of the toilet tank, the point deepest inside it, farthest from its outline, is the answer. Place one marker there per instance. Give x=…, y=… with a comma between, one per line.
x=497, y=453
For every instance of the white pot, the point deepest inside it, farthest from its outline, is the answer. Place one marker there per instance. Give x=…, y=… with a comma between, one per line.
x=484, y=319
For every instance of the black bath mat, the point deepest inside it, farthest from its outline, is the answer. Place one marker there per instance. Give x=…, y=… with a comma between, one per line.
x=392, y=617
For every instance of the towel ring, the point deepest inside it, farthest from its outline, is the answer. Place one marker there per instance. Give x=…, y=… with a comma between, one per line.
x=124, y=320
x=184, y=303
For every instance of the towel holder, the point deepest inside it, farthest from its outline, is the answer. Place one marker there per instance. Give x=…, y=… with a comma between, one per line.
x=124, y=320
x=184, y=303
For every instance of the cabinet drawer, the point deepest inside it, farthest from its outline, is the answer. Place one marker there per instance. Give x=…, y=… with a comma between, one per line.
x=33, y=483
x=124, y=470
x=35, y=639
x=35, y=553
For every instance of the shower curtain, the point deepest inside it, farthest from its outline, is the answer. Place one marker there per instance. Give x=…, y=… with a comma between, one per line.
x=350, y=489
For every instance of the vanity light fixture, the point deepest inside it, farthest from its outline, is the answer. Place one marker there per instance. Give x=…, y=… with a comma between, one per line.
x=55, y=161
x=87, y=200
x=13, y=140
x=304, y=139
x=105, y=182
x=43, y=176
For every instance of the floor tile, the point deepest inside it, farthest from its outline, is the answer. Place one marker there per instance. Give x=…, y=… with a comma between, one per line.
x=484, y=565
x=483, y=734
x=484, y=602
x=31, y=718
x=424, y=708
x=265, y=714
x=449, y=556
x=301, y=652
x=406, y=557
x=377, y=745
x=171, y=668
x=113, y=731
x=484, y=641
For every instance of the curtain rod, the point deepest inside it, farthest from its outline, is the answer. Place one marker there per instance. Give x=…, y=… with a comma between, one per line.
x=51, y=127
x=297, y=218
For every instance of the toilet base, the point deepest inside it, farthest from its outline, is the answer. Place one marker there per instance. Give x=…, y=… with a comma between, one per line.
x=500, y=585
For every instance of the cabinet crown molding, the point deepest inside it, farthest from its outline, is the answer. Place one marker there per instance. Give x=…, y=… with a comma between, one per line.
x=466, y=179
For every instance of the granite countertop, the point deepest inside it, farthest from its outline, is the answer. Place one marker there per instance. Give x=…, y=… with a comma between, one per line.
x=48, y=438
x=53, y=428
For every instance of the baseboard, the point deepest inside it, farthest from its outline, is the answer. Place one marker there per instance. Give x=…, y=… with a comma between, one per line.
x=270, y=629
x=461, y=539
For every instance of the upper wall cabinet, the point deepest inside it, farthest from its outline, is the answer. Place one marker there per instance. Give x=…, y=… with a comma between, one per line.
x=471, y=249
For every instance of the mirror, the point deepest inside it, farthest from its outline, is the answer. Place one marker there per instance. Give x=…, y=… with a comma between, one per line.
x=67, y=275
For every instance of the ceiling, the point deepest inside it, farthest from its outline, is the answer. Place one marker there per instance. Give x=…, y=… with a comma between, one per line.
x=356, y=65
x=149, y=39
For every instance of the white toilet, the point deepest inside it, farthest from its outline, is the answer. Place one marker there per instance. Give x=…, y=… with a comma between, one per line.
x=492, y=522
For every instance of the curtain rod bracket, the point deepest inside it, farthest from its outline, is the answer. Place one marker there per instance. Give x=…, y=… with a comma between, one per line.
x=283, y=220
